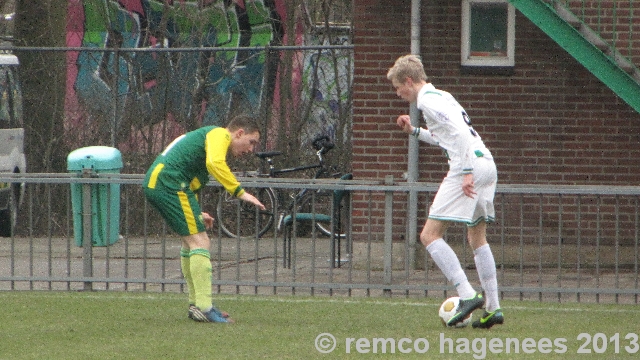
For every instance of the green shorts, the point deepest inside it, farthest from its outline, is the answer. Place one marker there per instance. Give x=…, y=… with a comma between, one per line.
x=180, y=209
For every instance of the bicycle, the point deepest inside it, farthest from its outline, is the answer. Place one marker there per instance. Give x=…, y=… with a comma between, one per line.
x=238, y=218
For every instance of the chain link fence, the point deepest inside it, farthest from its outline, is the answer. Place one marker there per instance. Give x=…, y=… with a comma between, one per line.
x=138, y=111
x=134, y=75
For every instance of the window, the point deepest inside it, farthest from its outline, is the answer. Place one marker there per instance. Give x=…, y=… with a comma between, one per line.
x=488, y=33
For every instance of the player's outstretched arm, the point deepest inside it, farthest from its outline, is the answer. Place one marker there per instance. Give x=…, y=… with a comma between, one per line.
x=252, y=199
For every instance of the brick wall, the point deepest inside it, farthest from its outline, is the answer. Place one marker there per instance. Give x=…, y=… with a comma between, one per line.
x=551, y=122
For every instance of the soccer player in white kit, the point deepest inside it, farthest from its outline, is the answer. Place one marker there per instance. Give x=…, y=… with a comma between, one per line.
x=466, y=193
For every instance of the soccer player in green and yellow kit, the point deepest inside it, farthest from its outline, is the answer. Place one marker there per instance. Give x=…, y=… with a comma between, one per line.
x=171, y=185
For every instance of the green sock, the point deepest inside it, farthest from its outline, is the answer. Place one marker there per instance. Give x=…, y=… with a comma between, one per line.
x=185, y=264
x=200, y=267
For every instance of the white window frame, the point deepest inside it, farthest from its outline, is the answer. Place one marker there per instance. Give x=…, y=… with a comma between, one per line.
x=488, y=61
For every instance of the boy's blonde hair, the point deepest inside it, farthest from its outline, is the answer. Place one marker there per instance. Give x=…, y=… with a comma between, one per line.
x=407, y=66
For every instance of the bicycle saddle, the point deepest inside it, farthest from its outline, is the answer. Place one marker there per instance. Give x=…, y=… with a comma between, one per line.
x=322, y=142
x=267, y=154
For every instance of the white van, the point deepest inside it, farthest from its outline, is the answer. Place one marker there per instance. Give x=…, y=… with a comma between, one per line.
x=12, y=158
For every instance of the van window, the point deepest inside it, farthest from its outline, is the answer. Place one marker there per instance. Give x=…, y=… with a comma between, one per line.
x=10, y=99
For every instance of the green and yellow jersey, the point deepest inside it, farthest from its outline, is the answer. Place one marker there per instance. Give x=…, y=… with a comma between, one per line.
x=189, y=160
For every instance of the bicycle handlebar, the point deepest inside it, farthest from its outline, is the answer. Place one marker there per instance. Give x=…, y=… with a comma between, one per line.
x=322, y=144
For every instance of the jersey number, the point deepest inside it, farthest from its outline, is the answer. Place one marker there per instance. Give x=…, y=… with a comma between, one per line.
x=467, y=120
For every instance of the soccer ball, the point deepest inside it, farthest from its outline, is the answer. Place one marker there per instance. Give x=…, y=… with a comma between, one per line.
x=448, y=309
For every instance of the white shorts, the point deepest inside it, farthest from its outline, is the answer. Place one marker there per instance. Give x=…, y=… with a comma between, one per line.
x=451, y=204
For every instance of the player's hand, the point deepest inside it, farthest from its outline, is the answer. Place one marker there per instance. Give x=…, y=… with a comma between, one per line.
x=467, y=185
x=208, y=220
x=252, y=199
x=404, y=122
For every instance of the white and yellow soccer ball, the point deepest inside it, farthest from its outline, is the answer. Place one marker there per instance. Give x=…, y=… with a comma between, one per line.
x=448, y=309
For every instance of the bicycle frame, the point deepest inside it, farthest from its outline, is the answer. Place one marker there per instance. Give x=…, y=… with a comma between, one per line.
x=273, y=172
x=230, y=213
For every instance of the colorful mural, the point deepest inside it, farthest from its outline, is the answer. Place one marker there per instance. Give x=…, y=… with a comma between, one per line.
x=189, y=85
x=187, y=89
x=327, y=82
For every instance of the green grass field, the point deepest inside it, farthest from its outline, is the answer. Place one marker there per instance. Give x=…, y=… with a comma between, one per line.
x=128, y=325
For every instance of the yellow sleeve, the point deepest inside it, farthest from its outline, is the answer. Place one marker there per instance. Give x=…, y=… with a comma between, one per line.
x=216, y=147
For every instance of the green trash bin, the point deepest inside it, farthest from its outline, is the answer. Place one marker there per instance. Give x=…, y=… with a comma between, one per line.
x=105, y=198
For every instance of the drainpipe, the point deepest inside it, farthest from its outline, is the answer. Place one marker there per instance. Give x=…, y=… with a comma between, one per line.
x=412, y=170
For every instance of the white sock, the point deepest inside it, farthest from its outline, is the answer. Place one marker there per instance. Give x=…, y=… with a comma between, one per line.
x=448, y=262
x=486, y=266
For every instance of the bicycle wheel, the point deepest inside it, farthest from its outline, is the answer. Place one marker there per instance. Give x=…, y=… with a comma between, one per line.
x=321, y=202
x=240, y=218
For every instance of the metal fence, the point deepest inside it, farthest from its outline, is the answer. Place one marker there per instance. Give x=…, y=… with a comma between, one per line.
x=550, y=244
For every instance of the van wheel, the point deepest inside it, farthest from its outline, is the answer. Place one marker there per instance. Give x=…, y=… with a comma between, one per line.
x=9, y=216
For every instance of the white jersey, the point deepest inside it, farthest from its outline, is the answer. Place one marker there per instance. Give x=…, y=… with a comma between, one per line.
x=449, y=127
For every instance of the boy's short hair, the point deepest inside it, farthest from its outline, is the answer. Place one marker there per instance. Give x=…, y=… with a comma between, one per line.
x=407, y=66
x=245, y=122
